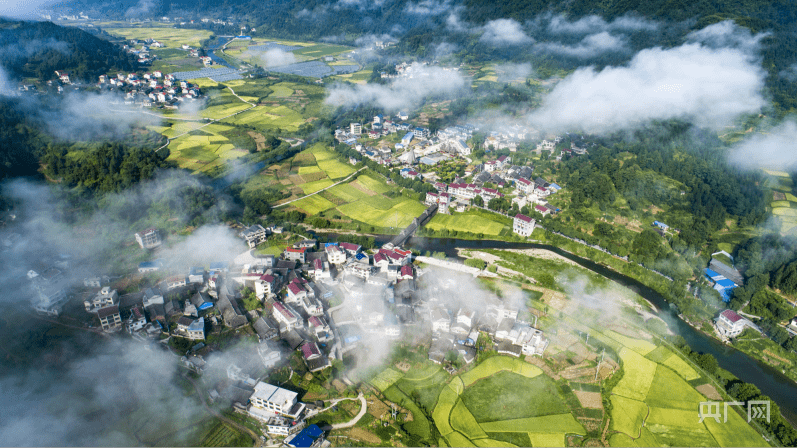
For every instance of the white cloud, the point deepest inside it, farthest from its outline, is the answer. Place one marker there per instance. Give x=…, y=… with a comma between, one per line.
x=513, y=72
x=593, y=24
x=142, y=9
x=727, y=35
x=453, y=22
x=277, y=58
x=776, y=149
x=590, y=46
x=504, y=32
x=705, y=85
x=403, y=93
x=428, y=7
x=27, y=9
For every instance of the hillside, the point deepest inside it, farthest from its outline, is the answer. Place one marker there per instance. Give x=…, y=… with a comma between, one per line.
x=38, y=49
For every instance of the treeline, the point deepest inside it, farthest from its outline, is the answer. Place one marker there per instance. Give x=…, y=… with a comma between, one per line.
x=104, y=167
x=38, y=49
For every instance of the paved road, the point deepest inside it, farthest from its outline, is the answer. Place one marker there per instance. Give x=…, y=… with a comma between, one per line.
x=357, y=417
x=319, y=191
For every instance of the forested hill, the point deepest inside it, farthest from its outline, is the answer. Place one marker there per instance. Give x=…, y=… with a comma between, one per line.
x=38, y=49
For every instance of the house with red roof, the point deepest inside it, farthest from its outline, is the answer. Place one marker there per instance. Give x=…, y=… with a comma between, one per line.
x=523, y=225
x=295, y=254
x=286, y=315
x=406, y=272
x=729, y=324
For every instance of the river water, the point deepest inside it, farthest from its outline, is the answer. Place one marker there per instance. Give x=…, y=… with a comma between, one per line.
x=771, y=382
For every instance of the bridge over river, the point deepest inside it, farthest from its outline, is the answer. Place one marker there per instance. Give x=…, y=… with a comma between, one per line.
x=405, y=234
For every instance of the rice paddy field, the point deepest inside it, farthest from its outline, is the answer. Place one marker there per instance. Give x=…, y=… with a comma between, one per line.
x=503, y=401
x=470, y=221
x=165, y=33
x=784, y=204
x=203, y=149
x=656, y=404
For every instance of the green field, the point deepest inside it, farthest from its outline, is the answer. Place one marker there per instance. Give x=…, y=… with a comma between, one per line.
x=466, y=222
x=386, y=378
x=482, y=404
x=347, y=193
x=224, y=435
x=371, y=183
x=313, y=205
x=383, y=212
x=312, y=187
x=168, y=35
x=652, y=405
x=335, y=169
x=639, y=373
x=520, y=397
x=320, y=50
x=203, y=149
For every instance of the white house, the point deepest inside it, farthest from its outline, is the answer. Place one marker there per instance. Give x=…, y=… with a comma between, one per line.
x=523, y=225
x=104, y=298
x=286, y=315
x=269, y=400
x=729, y=324
x=335, y=254
x=441, y=320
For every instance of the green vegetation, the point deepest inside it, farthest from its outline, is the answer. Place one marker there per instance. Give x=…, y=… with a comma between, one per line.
x=506, y=393
x=224, y=435
x=474, y=221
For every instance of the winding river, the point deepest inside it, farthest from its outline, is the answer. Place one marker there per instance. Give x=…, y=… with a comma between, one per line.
x=770, y=381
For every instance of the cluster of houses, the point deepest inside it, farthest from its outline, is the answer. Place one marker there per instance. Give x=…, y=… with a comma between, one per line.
x=150, y=89
x=535, y=193
x=457, y=330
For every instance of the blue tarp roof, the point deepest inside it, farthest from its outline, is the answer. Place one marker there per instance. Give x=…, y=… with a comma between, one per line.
x=219, y=265
x=205, y=306
x=302, y=441
x=725, y=283
x=710, y=273
x=359, y=256
x=330, y=244
x=556, y=186
x=312, y=431
x=726, y=295
x=149, y=264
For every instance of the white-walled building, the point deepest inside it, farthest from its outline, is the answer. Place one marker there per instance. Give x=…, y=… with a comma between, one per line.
x=523, y=225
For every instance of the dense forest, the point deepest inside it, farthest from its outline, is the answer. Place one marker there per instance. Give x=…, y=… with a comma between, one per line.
x=38, y=49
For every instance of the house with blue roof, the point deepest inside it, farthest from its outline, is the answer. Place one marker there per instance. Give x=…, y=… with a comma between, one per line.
x=661, y=225
x=407, y=138
x=308, y=437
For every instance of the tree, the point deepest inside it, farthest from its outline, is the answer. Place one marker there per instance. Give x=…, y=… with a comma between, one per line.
x=647, y=244
x=478, y=201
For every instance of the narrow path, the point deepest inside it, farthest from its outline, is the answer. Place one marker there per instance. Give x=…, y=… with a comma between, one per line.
x=213, y=412
x=319, y=191
x=356, y=418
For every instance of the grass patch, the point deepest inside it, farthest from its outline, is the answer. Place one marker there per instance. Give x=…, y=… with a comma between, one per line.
x=671, y=391
x=335, y=169
x=347, y=193
x=543, y=439
x=508, y=395
x=515, y=438
x=373, y=184
x=399, y=213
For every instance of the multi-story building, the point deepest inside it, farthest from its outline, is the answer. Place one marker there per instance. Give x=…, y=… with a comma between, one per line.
x=254, y=235
x=356, y=128
x=295, y=254
x=106, y=297
x=523, y=225
x=110, y=319
x=335, y=254
x=729, y=324
x=148, y=239
x=286, y=315
x=274, y=401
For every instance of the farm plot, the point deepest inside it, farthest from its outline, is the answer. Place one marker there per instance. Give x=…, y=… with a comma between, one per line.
x=543, y=439
x=273, y=46
x=548, y=424
x=370, y=183
x=628, y=415
x=386, y=378
x=399, y=213
x=463, y=421
x=347, y=193
x=335, y=169
x=263, y=117
x=508, y=394
x=465, y=222
x=669, y=390
x=319, y=50
x=170, y=36
x=639, y=373
x=312, y=187
x=314, y=205
x=217, y=74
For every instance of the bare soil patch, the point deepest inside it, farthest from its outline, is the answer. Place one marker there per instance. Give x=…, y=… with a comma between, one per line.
x=365, y=436
x=709, y=391
x=590, y=400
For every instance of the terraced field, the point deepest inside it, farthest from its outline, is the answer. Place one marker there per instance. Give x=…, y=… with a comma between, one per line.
x=784, y=207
